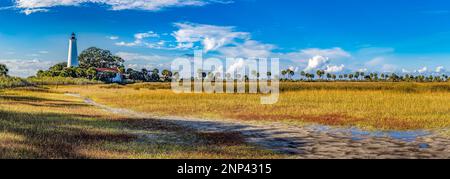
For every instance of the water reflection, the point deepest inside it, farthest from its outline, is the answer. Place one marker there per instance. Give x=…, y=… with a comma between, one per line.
x=358, y=134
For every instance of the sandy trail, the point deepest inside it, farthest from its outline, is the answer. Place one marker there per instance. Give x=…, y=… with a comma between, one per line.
x=313, y=141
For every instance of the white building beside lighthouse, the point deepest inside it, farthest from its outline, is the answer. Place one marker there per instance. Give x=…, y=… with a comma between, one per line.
x=72, y=60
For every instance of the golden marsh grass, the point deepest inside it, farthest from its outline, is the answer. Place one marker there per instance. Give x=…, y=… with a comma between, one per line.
x=36, y=123
x=386, y=106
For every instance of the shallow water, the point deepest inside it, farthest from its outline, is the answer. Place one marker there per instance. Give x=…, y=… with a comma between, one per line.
x=359, y=134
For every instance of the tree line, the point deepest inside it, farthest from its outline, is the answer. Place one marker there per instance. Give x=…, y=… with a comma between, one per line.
x=322, y=75
x=92, y=59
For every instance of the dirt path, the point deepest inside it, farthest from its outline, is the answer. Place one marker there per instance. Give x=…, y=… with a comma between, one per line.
x=315, y=141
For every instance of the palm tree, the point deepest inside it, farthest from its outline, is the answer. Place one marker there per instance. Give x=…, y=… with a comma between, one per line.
x=284, y=72
x=3, y=70
x=329, y=76
x=357, y=74
x=320, y=73
x=144, y=74
x=155, y=75
x=303, y=74
x=167, y=75
x=291, y=74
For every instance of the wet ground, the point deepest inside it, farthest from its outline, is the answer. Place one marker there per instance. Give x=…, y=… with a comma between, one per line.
x=316, y=141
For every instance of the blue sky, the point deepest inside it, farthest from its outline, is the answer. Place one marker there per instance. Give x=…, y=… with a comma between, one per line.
x=335, y=35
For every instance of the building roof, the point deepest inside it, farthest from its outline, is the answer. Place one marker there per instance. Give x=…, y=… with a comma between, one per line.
x=113, y=70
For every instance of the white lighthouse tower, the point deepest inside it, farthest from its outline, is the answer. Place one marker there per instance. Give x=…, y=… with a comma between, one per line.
x=72, y=60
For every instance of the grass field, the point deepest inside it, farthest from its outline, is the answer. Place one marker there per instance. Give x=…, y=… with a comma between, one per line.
x=37, y=123
x=46, y=123
x=386, y=106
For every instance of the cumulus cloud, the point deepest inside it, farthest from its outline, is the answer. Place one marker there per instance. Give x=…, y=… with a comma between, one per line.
x=330, y=53
x=25, y=68
x=238, y=65
x=305, y=54
x=440, y=69
x=334, y=68
x=32, y=6
x=209, y=36
x=317, y=62
x=138, y=39
x=225, y=40
x=422, y=70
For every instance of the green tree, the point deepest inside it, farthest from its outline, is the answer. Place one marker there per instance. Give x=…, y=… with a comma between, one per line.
x=80, y=72
x=269, y=75
x=58, y=67
x=91, y=73
x=155, y=75
x=99, y=58
x=320, y=73
x=283, y=73
x=3, y=70
x=167, y=75
x=291, y=73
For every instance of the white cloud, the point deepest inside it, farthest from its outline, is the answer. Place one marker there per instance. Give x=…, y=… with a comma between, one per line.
x=362, y=70
x=209, y=36
x=306, y=54
x=238, y=65
x=422, y=70
x=113, y=37
x=31, y=11
x=317, y=62
x=440, y=69
x=139, y=57
x=144, y=35
x=6, y=8
x=330, y=53
x=335, y=68
x=139, y=61
x=138, y=39
x=388, y=68
x=32, y=6
x=25, y=68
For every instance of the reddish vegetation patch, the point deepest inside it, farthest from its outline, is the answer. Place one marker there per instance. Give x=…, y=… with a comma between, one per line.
x=397, y=124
